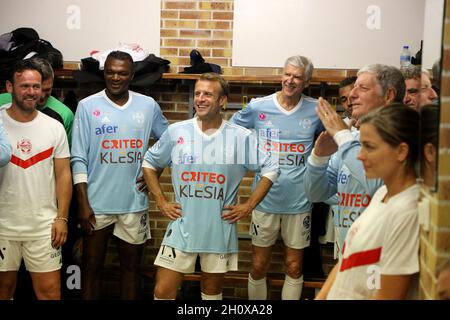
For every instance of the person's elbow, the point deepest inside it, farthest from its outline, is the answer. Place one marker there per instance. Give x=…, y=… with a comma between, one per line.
x=5, y=154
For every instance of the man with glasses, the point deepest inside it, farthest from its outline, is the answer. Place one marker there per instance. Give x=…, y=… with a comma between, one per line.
x=419, y=91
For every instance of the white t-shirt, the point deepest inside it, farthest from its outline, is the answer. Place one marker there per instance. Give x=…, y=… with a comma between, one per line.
x=384, y=240
x=27, y=182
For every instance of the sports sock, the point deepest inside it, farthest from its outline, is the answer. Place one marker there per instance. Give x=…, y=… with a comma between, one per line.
x=257, y=289
x=292, y=288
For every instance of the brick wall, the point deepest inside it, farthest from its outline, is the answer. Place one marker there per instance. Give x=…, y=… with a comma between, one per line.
x=435, y=244
x=208, y=27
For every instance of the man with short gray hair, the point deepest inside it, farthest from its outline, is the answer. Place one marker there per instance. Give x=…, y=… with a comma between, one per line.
x=286, y=124
x=333, y=166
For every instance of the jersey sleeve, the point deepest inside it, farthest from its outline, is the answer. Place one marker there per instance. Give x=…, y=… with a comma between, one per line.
x=160, y=154
x=68, y=124
x=5, y=98
x=159, y=123
x=400, y=254
x=260, y=160
x=348, y=152
x=80, y=141
x=61, y=143
x=244, y=117
x=5, y=146
x=320, y=182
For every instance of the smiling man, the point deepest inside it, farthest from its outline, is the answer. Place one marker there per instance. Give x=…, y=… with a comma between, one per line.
x=286, y=124
x=419, y=91
x=330, y=172
x=208, y=157
x=111, y=132
x=47, y=103
x=35, y=189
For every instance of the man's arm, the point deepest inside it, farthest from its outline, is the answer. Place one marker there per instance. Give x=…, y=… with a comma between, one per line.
x=320, y=177
x=240, y=211
x=80, y=161
x=63, y=180
x=86, y=215
x=5, y=147
x=170, y=210
x=348, y=146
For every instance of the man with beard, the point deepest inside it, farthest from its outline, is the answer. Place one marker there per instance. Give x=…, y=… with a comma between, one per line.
x=35, y=189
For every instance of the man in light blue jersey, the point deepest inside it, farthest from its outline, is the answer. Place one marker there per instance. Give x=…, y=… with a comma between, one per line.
x=208, y=157
x=286, y=124
x=333, y=167
x=5, y=146
x=111, y=132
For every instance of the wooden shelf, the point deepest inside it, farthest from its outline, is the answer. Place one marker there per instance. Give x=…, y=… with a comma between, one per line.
x=229, y=78
x=269, y=79
x=321, y=77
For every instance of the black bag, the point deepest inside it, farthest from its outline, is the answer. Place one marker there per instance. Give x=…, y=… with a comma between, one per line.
x=25, y=43
x=146, y=72
x=198, y=65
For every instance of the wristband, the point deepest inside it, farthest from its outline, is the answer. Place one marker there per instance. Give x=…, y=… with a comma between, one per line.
x=61, y=218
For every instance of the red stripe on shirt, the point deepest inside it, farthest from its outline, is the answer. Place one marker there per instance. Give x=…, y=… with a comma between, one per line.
x=362, y=258
x=33, y=160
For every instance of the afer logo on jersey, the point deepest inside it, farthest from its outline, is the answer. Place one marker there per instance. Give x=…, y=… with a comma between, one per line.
x=104, y=129
x=269, y=133
x=187, y=158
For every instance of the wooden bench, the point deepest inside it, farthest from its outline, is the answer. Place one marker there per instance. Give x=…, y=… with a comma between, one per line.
x=241, y=277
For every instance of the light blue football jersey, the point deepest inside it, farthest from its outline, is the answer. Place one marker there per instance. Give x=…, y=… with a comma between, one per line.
x=108, y=144
x=345, y=176
x=206, y=172
x=289, y=135
x=5, y=146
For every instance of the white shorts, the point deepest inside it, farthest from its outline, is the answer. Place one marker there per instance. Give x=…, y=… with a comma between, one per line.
x=133, y=228
x=184, y=262
x=38, y=255
x=295, y=229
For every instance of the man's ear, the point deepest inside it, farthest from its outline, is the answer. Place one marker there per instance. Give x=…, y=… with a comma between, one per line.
x=390, y=95
x=9, y=86
x=306, y=84
x=223, y=101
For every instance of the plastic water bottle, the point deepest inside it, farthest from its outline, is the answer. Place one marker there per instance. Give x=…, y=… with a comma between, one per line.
x=405, y=57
